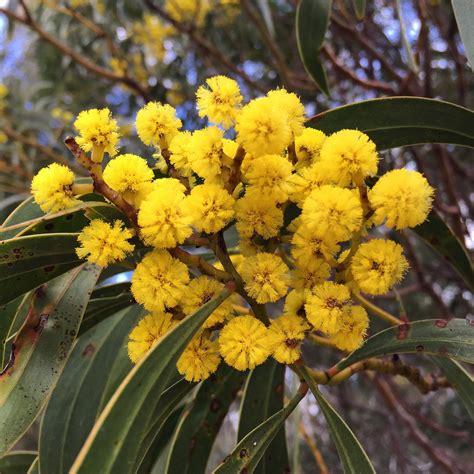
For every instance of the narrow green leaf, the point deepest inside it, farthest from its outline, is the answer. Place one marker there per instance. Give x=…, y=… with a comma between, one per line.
x=201, y=420
x=453, y=338
x=464, y=13
x=401, y=121
x=114, y=442
x=353, y=457
x=40, y=350
x=34, y=468
x=248, y=453
x=438, y=235
x=312, y=20
x=460, y=379
x=26, y=211
x=17, y=462
x=27, y=262
x=359, y=7
x=263, y=396
x=171, y=399
x=405, y=41
x=76, y=400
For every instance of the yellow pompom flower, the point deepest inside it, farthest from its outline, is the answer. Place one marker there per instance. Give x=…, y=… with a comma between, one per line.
x=309, y=272
x=200, y=291
x=211, y=207
x=157, y=124
x=220, y=102
x=334, y=213
x=350, y=156
x=295, y=301
x=244, y=343
x=3, y=91
x=263, y=129
x=103, y=243
x=98, y=132
x=306, y=180
x=159, y=281
x=378, y=265
x=307, y=243
x=3, y=138
x=286, y=334
x=52, y=188
x=258, y=216
x=290, y=103
x=401, y=198
x=130, y=176
x=164, y=219
x=147, y=333
x=206, y=155
x=169, y=185
x=327, y=307
x=308, y=146
x=188, y=11
x=268, y=175
x=352, y=333
x=199, y=360
x=265, y=276
x=180, y=149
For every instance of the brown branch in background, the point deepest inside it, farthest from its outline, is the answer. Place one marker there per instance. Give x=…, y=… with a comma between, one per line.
x=421, y=278
x=278, y=58
x=44, y=150
x=367, y=83
x=207, y=47
x=87, y=64
x=438, y=456
x=318, y=457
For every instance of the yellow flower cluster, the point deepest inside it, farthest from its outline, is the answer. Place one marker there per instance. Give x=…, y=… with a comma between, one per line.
x=298, y=201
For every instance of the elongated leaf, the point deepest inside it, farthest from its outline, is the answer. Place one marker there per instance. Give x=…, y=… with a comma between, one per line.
x=437, y=234
x=27, y=262
x=352, y=454
x=200, y=422
x=401, y=121
x=114, y=442
x=17, y=462
x=460, y=379
x=464, y=13
x=26, y=211
x=248, y=453
x=157, y=454
x=359, y=7
x=34, y=468
x=77, y=397
x=40, y=350
x=262, y=398
x=405, y=41
x=312, y=20
x=454, y=339
x=7, y=316
x=170, y=400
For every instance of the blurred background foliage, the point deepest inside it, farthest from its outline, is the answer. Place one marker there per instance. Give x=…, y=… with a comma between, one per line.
x=60, y=57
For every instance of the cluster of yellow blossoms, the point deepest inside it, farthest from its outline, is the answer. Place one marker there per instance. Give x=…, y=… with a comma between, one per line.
x=299, y=201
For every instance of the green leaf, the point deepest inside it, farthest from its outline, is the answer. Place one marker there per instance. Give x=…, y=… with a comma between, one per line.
x=170, y=399
x=400, y=121
x=17, y=462
x=359, y=7
x=263, y=396
x=460, y=379
x=114, y=442
x=438, y=235
x=27, y=262
x=26, y=211
x=248, y=453
x=453, y=338
x=201, y=420
x=312, y=20
x=353, y=457
x=40, y=350
x=76, y=400
x=405, y=41
x=464, y=13
x=34, y=468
